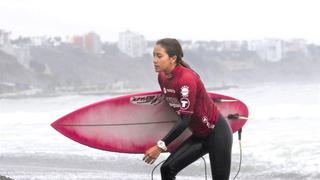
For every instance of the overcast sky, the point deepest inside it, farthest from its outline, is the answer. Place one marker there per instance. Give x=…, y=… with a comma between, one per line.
x=182, y=19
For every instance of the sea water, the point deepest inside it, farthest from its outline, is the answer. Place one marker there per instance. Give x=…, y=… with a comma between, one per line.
x=281, y=140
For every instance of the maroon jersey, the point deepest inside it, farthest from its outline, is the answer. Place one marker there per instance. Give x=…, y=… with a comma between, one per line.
x=186, y=94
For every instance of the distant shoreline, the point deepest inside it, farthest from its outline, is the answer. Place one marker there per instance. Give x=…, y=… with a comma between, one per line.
x=5, y=178
x=88, y=93
x=44, y=94
x=57, y=94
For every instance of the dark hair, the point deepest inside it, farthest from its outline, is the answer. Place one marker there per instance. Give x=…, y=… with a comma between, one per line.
x=173, y=48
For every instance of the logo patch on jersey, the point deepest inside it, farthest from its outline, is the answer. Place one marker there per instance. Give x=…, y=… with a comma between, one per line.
x=171, y=91
x=185, y=103
x=185, y=91
x=164, y=90
x=206, y=121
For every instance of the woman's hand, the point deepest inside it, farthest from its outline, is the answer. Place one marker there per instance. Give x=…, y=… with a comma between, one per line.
x=151, y=155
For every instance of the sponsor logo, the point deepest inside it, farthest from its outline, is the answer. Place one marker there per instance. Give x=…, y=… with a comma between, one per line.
x=206, y=121
x=171, y=90
x=185, y=103
x=185, y=91
x=164, y=90
x=148, y=100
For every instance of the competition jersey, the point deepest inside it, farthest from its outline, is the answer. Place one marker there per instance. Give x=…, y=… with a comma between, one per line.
x=186, y=94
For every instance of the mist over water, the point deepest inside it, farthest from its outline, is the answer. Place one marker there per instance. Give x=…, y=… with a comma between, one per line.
x=280, y=141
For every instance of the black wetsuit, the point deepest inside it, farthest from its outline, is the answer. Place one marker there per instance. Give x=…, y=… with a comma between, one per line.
x=218, y=144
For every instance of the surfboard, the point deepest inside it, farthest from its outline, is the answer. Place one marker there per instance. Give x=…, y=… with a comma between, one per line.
x=133, y=123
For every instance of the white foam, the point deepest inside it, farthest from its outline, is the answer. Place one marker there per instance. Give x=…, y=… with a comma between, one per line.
x=280, y=138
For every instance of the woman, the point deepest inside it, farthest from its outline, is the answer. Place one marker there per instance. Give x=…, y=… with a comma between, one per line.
x=186, y=94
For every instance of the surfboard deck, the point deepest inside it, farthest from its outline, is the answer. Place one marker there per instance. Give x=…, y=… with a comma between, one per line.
x=135, y=122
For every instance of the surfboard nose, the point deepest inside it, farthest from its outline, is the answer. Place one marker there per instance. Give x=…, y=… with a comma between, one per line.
x=53, y=125
x=56, y=124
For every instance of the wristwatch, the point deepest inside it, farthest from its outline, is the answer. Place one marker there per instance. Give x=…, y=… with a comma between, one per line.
x=162, y=145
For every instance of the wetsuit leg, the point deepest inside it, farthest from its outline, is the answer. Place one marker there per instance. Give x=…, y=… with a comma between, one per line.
x=220, y=148
x=189, y=151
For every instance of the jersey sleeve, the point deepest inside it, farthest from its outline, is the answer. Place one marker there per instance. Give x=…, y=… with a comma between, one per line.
x=187, y=89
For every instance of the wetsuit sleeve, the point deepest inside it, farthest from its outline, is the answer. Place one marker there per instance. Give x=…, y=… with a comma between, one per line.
x=177, y=129
x=187, y=95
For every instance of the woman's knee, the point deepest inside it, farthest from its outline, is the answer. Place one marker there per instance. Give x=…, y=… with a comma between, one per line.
x=168, y=169
x=165, y=168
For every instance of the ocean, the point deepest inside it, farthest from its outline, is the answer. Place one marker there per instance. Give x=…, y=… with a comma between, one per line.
x=281, y=140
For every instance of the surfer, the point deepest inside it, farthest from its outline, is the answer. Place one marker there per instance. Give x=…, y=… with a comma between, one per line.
x=186, y=94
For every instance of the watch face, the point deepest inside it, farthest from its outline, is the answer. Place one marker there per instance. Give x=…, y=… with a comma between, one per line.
x=161, y=145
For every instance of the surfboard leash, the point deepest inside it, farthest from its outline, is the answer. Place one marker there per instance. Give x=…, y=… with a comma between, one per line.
x=155, y=168
x=205, y=167
x=231, y=117
x=205, y=163
x=240, y=147
x=239, y=138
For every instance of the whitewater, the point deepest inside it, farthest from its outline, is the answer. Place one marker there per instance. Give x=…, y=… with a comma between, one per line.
x=281, y=140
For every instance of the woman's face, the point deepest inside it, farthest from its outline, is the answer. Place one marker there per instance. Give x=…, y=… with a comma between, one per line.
x=162, y=61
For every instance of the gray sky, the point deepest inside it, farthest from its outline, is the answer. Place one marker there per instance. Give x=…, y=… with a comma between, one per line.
x=183, y=19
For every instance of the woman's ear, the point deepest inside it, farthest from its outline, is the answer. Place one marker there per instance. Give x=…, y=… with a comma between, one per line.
x=173, y=59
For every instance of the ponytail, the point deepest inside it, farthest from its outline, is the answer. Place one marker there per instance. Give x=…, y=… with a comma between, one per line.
x=184, y=64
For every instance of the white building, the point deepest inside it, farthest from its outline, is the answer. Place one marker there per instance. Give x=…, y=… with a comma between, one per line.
x=268, y=49
x=22, y=54
x=132, y=44
x=232, y=45
x=4, y=37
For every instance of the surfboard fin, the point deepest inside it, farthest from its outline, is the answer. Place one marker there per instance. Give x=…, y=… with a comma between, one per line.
x=219, y=100
x=233, y=116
